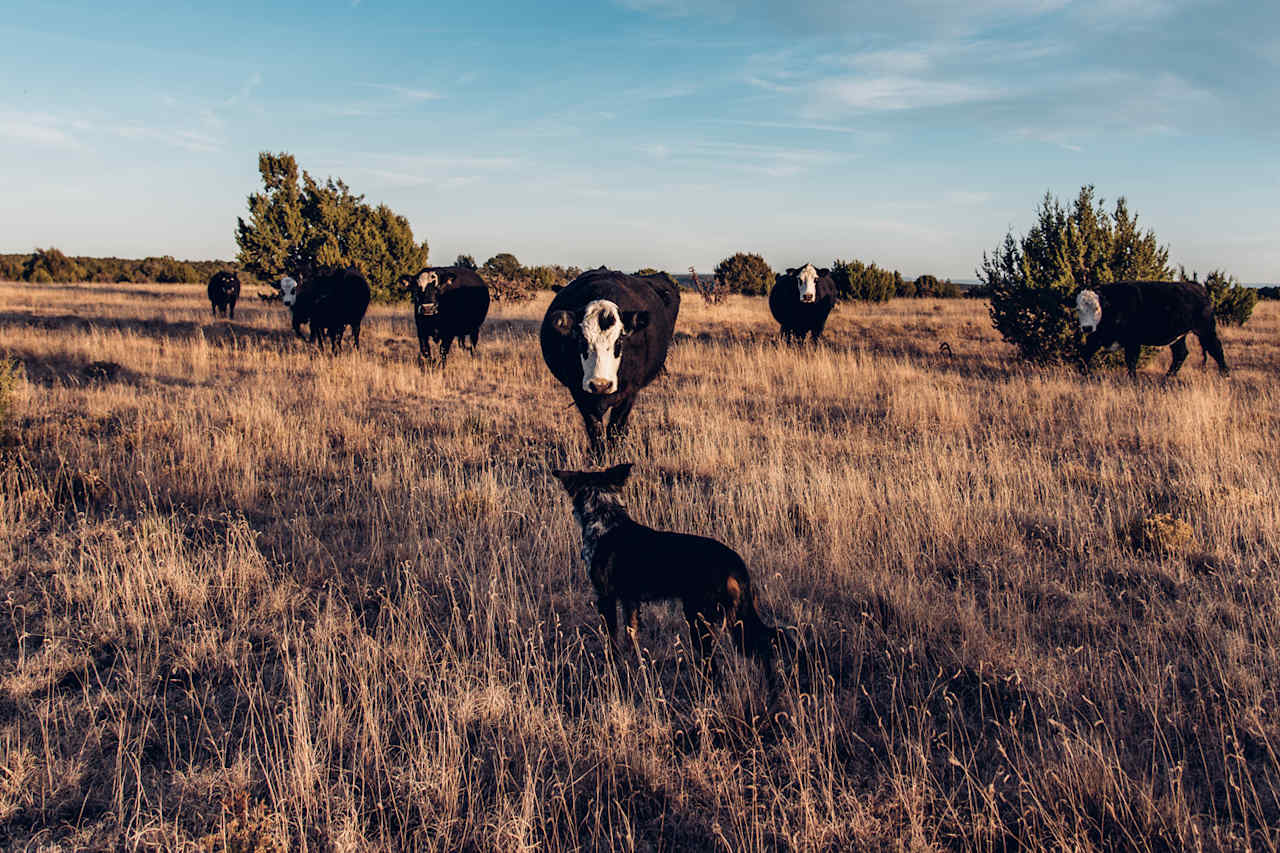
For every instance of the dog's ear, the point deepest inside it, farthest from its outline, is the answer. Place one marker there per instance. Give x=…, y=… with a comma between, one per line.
x=617, y=475
x=562, y=322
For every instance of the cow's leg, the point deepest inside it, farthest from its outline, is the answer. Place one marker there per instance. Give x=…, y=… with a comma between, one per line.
x=1179, y=350
x=355, y=334
x=1132, y=352
x=1091, y=346
x=591, y=422
x=231, y=310
x=618, y=418
x=475, y=339
x=1209, y=343
x=445, y=343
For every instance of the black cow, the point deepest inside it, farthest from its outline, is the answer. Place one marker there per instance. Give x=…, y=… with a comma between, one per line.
x=449, y=303
x=224, y=290
x=330, y=301
x=605, y=336
x=1134, y=314
x=801, y=300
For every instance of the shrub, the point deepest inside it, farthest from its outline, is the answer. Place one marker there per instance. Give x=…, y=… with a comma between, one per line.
x=301, y=224
x=10, y=375
x=713, y=290
x=746, y=273
x=46, y=265
x=865, y=282
x=1269, y=292
x=1032, y=280
x=1163, y=534
x=465, y=261
x=1232, y=302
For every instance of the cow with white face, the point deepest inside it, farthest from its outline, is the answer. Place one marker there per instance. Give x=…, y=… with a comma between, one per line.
x=449, y=303
x=288, y=291
x=605, y=336
x=1132, y=314
x=801, y=300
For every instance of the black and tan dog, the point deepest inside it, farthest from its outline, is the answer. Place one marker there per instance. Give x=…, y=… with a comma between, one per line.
x=631, y=563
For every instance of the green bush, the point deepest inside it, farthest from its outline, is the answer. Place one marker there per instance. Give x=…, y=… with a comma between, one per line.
x=865, y=282
x=1032, y=280
x=299, y=223
x=46, y=265
x=745, y=272
x=1232, y=302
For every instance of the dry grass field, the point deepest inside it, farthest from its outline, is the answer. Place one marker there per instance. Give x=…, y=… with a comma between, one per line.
x=257, y=598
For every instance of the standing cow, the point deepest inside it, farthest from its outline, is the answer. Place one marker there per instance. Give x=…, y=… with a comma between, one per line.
x=1134, y=314
x=330, y=302
x=224, y=290
x=801, y=301
x=449, y=303
x=605, y=336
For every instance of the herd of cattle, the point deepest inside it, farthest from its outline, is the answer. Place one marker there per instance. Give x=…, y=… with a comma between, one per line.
x=605, y=335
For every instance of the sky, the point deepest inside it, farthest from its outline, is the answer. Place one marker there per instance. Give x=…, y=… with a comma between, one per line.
x=663, y=133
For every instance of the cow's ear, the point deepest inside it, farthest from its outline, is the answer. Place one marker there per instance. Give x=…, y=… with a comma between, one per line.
x=634, y=321
x=562, y=322
x=824, y=272
x=556, y=288
x=791, y=270
x=617, y=475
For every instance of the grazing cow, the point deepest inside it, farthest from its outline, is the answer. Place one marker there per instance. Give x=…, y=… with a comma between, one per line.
x=224, y=290
x=1134, y=314
x=605, y=336
x=330, y=301
x=449, y=303
x=801, y=300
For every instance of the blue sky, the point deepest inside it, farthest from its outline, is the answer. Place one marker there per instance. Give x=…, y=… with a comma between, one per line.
x=662, y=133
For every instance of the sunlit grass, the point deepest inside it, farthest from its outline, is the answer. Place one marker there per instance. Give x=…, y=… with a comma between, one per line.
x=257, y=595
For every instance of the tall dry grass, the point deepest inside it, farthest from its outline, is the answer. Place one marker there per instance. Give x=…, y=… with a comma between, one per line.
x=260, y=598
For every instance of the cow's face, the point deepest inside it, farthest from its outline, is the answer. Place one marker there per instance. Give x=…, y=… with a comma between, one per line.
x=425, y=289
x=599, y=331
x=807, y=282
x=1089, y=310
x=288, y=291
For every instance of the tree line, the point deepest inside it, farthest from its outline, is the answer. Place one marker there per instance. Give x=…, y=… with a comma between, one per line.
x=50, y=265
x=748, y=273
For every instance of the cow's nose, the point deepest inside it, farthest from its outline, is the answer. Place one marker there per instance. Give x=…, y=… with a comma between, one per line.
x=600, y=386
x=806, y=299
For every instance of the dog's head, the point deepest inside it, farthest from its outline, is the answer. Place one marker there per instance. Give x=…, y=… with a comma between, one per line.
x=583, y=482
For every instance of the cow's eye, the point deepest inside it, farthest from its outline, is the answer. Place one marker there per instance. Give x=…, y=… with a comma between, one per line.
x=617, y=349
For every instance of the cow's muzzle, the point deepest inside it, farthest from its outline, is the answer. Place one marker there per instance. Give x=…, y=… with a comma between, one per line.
x=600, y=386
x=427, y=309
x=804, y=298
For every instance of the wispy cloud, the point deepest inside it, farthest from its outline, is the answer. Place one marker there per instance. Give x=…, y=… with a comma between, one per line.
x=412, y=94
x=894, y=92
x=38, y=129
x=242, y=95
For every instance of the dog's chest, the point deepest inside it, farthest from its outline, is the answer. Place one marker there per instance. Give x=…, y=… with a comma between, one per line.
x=593, y=530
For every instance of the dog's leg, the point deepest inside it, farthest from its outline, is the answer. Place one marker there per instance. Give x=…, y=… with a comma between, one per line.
x=631, y=620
